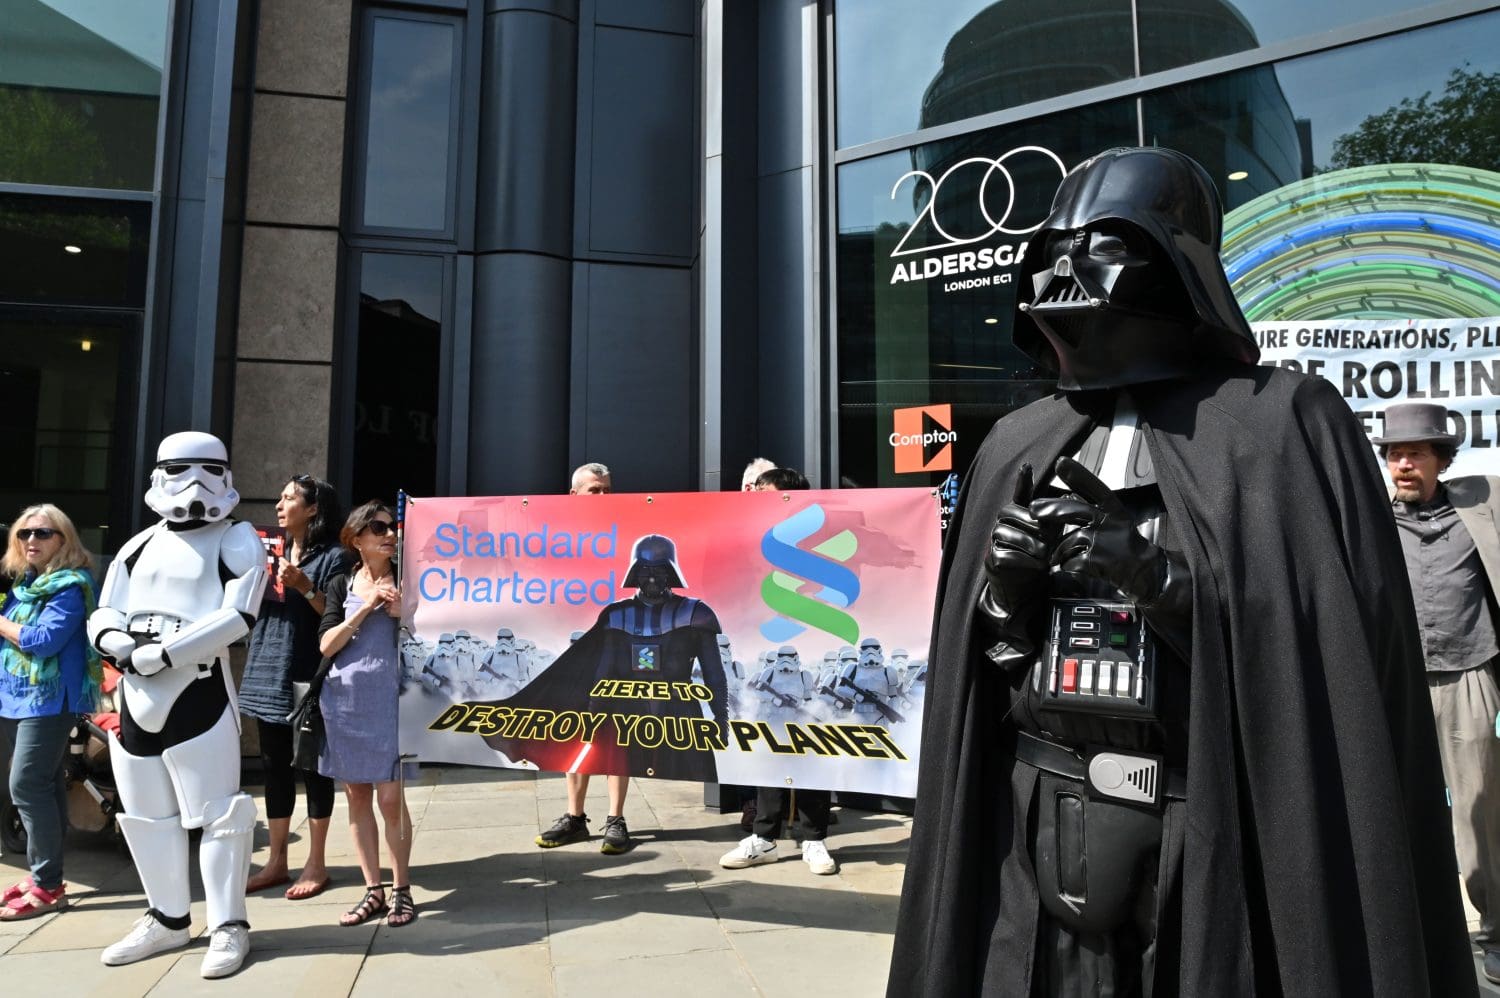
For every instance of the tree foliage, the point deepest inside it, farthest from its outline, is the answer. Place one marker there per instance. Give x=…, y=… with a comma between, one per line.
x=1462, y=127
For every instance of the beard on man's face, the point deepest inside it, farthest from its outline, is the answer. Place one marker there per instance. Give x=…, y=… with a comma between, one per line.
x=1408, y=494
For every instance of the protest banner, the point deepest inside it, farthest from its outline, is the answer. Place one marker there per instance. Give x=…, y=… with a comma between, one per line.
x=1376, y=363
x=761, y=638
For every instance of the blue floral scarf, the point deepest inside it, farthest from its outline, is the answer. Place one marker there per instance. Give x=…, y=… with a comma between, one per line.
x=30, y=598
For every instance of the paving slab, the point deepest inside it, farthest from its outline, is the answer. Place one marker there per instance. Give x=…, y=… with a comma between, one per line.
x=720, y=973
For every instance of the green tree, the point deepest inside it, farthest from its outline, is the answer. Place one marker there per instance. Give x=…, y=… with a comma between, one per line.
x=47, y=142
x=1462, y=128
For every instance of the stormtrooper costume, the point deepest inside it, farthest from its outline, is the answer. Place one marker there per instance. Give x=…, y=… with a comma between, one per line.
x=505, y=667
x=785, y=688
x=440, y=671
x=734, y=673
x=872, y=685
x=830, y=701
x=414, y=652
x=175, y=597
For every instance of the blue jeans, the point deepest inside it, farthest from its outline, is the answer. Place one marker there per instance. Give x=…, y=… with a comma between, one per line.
x=38, y=747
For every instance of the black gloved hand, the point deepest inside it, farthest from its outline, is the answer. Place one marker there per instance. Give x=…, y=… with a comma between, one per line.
x=1098, y=538
x=1015, y=569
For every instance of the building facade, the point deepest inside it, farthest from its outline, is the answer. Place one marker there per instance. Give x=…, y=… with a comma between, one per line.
x=460, y=246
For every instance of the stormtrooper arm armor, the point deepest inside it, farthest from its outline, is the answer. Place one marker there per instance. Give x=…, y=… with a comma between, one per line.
x=106, y=625
x=243, y=555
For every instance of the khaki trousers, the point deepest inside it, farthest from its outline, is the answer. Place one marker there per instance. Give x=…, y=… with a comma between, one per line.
x=1464, y=705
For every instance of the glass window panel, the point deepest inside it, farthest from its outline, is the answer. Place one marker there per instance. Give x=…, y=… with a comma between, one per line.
x=924, y=283
x=80, y=85
x=1362, y=201
x=1178, y=32
x=396, y=393
x=409, y=135
x=66, y=376
x=73, y=251
x=903, y=65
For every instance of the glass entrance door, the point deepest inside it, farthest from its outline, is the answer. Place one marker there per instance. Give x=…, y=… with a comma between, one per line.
x=68, y=398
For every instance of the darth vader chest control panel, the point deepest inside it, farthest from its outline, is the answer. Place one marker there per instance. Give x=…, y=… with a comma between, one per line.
x=1099, y=658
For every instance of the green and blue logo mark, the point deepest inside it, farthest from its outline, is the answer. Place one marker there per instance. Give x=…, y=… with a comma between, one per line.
x=793, y=567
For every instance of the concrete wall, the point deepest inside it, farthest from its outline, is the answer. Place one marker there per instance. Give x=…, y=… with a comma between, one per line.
x=289, y=279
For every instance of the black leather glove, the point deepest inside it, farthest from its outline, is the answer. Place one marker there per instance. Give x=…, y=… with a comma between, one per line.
x=1098, y=539
x=1015, y=569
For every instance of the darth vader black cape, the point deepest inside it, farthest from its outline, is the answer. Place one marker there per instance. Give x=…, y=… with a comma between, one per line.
x=1317, y=851
x=685, y=631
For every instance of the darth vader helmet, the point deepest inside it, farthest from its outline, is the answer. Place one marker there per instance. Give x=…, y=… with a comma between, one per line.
x=191, y=480
x=653, y=567
x=1124, y=276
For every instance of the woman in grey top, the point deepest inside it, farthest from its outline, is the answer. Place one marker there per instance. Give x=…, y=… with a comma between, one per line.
x=283, y=650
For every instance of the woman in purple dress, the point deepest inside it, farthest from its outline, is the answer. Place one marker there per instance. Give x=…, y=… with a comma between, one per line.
x=358, y=702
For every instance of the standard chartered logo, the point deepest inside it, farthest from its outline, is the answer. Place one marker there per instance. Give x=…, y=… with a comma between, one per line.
x=793, y=567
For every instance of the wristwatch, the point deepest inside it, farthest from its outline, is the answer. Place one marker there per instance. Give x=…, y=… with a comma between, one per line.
x=311, y=594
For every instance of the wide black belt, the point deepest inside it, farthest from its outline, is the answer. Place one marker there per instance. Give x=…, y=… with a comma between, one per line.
x=1074, y=765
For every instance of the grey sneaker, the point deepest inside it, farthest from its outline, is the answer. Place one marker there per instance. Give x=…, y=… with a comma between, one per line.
x=568, y=828
x=616, y=836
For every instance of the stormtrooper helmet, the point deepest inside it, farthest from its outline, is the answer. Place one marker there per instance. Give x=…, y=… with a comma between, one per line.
x=787, y=659
x=505, y=641
x=191, y=480
x=848, y=656
x=869, y=652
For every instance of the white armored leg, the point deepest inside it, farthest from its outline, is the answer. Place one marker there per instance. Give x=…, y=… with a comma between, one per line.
x=152, y=828
x=224, y=858
x=205, y=769
x=159, y=846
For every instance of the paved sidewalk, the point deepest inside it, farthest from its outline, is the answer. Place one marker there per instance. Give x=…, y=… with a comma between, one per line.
x=507, y=917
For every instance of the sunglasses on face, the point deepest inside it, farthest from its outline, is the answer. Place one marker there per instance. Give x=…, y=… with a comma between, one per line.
x=179, y=469
x=381, y=527
x=40, y=533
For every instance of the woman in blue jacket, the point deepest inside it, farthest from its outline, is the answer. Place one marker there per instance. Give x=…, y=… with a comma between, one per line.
x=49, y=674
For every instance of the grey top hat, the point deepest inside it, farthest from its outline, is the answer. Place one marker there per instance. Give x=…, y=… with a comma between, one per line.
x=1415, y=422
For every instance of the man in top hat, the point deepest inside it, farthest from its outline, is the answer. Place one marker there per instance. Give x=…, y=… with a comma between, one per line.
x=1452, y=547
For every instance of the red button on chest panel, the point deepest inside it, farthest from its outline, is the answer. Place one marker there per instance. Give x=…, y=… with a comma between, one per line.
x=1070, y=675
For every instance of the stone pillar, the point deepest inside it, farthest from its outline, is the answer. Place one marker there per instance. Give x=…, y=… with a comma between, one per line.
x=283, y=365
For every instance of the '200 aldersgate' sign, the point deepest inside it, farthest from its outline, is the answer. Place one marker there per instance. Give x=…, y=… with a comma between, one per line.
x=946, y=257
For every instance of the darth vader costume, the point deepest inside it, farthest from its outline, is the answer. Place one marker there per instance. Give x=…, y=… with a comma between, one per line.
x=1248, y=804
x=655, y=636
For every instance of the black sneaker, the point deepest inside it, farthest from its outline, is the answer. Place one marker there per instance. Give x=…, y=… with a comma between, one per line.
x=568, y=828
x=616, y=836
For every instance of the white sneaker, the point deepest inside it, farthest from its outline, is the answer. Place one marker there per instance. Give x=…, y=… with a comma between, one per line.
x=752, y=851
x=815, y=855
x=148, y=937
x=228, y=945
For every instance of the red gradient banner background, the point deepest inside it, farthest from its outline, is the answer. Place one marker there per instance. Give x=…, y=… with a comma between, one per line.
x=545, y=567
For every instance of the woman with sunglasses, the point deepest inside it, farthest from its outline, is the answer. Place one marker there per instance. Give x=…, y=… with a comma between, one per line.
x=50, y=675
x=284, y=650
x=358, y=701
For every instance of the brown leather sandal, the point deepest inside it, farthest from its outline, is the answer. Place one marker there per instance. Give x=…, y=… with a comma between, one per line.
x=372, y=905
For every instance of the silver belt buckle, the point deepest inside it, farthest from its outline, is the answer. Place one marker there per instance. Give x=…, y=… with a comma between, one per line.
x=1136, y=779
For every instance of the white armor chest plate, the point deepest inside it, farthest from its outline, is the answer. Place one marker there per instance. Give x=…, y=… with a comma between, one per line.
x=878, y=679
x=788, y=683
x=177, y=577
x=507, y=664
